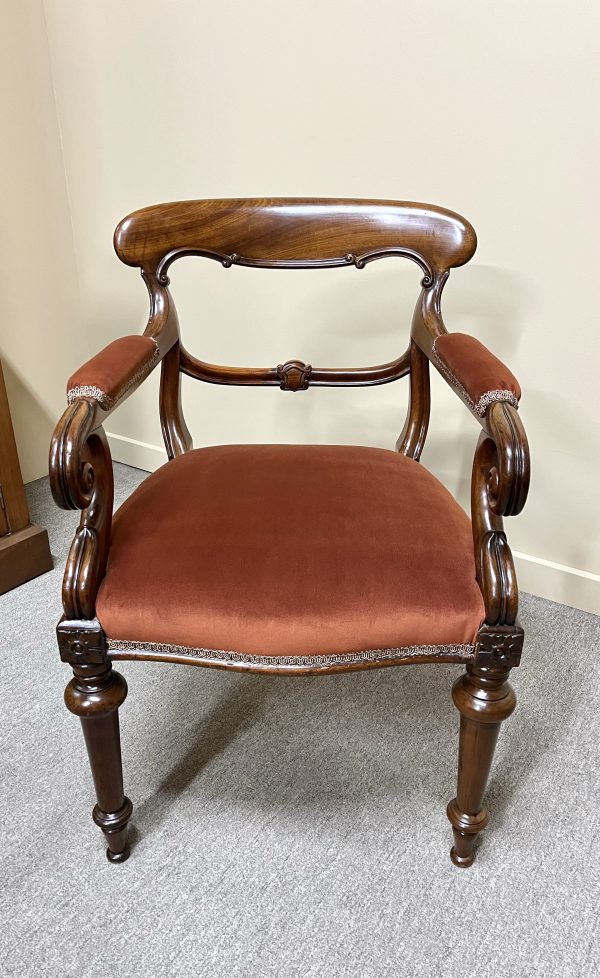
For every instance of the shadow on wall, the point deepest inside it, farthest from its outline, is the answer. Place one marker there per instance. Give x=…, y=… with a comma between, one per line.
x=32, y=423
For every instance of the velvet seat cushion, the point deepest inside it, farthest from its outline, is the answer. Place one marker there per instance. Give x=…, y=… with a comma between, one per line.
x=291, y=550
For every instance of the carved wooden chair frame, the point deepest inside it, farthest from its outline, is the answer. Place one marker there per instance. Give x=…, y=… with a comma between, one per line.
x=289, y=234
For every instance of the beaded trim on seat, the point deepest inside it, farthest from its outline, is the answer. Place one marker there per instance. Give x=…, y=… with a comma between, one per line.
x=462, y=653
x=485, y=400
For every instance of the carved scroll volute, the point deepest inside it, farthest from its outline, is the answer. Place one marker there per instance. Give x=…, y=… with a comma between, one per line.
x=81, y=478
x=499, y=488
x=510, y=485
x=493, y=558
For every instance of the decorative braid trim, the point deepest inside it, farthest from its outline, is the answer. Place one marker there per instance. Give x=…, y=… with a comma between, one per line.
x=86, y=390
x=491, y=396
x=485, y=400
x=105, y=400
x=462, y=653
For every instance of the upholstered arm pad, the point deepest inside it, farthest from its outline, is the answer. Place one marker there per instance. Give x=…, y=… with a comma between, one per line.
x=109, y=375
x=478, y=376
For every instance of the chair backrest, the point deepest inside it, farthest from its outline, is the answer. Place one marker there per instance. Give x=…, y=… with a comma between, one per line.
x=294, y=233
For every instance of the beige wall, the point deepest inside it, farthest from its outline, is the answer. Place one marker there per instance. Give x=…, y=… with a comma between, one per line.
x=41, y=329
x=487, y=109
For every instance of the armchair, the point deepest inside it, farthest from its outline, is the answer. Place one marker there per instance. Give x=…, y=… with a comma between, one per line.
x=292, y=559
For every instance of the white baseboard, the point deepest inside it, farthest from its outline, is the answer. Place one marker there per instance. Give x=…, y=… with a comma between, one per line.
x=557, y=582
x=140, y=454
x=545, y=578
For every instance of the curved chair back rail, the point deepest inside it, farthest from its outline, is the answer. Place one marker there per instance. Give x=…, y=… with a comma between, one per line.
x=295, y=375
x=295, y=233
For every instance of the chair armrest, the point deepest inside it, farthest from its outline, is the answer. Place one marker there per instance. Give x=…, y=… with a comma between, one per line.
x=478, y=377
x=501, y=467
x=81, y=474
x=500, y=479
x=114, y=372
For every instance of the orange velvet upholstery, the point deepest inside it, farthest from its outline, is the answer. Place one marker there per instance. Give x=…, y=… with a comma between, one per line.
x=478, y=375
x=291, y=550
x=110, y=374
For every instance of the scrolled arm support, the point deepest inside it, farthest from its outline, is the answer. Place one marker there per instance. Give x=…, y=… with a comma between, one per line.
x=81, y=477
x=71, y=478
x=499, y=488
x=509, y=484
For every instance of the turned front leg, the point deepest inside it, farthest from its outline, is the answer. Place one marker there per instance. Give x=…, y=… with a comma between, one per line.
x=484, y=699
x=94, y=695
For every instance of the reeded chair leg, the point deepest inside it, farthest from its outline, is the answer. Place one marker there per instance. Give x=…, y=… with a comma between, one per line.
x=484, y=699
x=94, y=695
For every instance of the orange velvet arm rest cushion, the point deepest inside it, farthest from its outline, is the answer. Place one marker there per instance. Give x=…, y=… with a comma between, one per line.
x=111, y=373
x=478, y=376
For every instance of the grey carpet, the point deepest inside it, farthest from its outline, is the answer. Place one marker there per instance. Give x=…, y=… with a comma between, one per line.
x=296, y=827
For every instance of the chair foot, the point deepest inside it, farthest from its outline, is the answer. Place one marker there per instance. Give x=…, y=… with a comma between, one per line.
x=465, y=829
x=114, y=826
x=118, y=857
x=463, y=862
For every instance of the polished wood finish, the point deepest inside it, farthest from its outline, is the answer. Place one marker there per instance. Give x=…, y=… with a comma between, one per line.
x=292, y=233
x=308, y=376
x=81, y=478
x=414, y=433
x=499, y=487
x=175, y=432
x=283, y=233
x=484, y=699
x=24, y=547
x=94, y=695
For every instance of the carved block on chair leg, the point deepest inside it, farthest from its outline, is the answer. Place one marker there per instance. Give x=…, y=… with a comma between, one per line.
x=94, y=695
x=484, y=699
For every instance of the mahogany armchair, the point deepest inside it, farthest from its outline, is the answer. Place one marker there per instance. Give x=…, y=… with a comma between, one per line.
x=387, y=569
